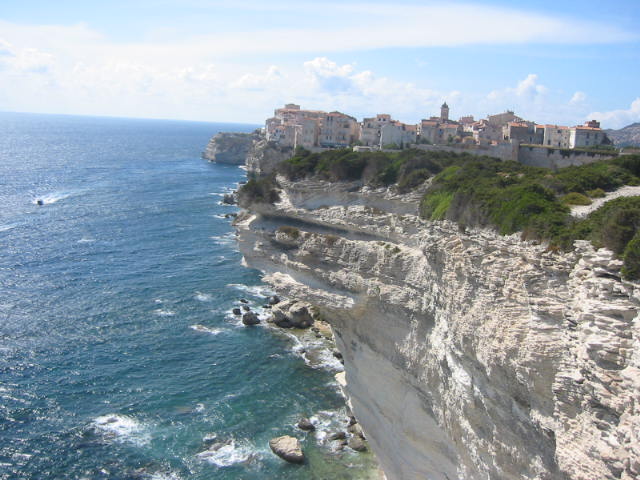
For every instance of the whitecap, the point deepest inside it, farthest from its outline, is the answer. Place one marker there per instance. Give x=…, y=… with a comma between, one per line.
x=86, y=240
x=203, y=297
x=202, y=328
x=165, y=476
x=6, y=228
x=230, y=454
x=326, y=422
x=122, y=429
x=255, y=290
x=164, y=312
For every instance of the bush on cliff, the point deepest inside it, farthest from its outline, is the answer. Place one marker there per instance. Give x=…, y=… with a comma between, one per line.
x=261, y=190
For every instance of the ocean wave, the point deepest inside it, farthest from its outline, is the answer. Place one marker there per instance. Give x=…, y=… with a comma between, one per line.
x=202, y=328
x=164, y=312
x=255, y=290
x=315, y=353
x=202, y=297
x=6, y=228
x=122, y=428
x=165, y=476
x=86, y=240
x=326, y=422
x=232, y=453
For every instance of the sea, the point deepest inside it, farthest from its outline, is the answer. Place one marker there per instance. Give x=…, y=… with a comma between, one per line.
x=120, y=357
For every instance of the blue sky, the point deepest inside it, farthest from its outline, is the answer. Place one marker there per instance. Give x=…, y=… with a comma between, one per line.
x=551, y=62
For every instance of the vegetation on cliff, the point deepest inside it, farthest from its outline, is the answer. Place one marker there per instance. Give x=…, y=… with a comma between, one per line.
x=483, y=191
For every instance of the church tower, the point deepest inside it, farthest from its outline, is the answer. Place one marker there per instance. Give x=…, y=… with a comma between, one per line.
x=444, y=112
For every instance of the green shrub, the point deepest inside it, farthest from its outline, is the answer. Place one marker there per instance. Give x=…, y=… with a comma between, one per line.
x=631, y=258
x=413, y=179
x=289, y=231
x=262, y=190
x=597, y=193
x=435, y=205
x=575, y=198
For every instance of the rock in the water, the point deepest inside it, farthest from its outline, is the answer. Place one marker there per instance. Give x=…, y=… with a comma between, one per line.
x=210, y=439
x=250, y=318
x=288, y=448
x=244, y=300
x=229, y=199
x=292, y=314
x=274, y=299
x=237, y=311
x=337, y=354
x=356, y=430
x=246, y=308
x=306, y=425
x=338, y=436
x=357, y=444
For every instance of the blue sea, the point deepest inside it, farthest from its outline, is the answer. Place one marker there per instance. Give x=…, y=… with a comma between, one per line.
x=119, y=354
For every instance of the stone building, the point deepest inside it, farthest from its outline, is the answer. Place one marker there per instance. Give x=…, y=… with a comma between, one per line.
x=337, y=130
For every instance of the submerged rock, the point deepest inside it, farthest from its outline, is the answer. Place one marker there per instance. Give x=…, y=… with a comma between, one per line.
x=338, y=436
x=357, y=444
x=237, y=311
x=288, y=448
x=306, y=425
x=250, y=318
x=274, y=300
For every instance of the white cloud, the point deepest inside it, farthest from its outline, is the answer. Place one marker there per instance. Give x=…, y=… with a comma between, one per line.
x=578, y=98
x=252, y=81
x=528, y=90
x=619, y=118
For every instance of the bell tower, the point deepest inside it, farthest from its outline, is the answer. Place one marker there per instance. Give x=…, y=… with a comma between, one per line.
x=444, y=112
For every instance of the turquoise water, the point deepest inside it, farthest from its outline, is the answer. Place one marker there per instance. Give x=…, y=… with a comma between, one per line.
x=118, y=352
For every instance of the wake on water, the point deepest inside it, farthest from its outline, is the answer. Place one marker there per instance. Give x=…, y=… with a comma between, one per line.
x=53, y=197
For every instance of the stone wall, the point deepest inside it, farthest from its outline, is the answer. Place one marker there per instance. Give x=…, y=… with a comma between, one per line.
x=556, y=157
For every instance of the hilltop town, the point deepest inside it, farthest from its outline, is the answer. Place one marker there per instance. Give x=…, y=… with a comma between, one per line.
x=292, y=126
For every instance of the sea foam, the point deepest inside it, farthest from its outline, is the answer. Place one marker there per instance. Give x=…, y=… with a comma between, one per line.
x=122, y=429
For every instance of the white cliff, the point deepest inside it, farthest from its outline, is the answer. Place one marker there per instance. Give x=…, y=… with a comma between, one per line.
x=467, y=354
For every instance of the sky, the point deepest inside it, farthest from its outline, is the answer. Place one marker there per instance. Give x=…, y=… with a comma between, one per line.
x=559, y=62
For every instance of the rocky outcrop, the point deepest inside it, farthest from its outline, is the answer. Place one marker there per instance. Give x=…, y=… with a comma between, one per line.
x=263, y=157
x=467, y=354
x=288, y=448
x=231, y=148
x=292, y=314
x=627, y=136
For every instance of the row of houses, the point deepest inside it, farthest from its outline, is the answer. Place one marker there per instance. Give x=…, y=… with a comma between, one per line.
x=292, y=127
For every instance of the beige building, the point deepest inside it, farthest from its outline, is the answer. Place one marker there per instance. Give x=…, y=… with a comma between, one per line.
x=556, y=136
x=382, y=130
x=587, y=135
x=371, y=128
x=399, y=134
x=338, y=130
x=523, y=132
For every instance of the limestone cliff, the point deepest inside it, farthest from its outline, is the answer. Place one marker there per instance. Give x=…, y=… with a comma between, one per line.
x=263, y=157
x=231, y=148
x=467, y=354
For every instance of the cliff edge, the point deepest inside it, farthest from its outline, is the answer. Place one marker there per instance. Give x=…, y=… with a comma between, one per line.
x=230, y=147
x=468, y=354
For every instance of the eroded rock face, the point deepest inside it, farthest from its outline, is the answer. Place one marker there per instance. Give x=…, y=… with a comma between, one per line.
x=231, y=148
x=288, y=448
x=292, y=314
x=467, y=355
x=263, y=157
